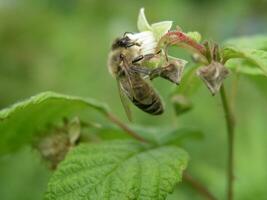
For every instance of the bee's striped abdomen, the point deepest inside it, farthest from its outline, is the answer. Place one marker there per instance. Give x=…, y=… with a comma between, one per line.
x=154, y=108
x=142, y=94
x=147, y=99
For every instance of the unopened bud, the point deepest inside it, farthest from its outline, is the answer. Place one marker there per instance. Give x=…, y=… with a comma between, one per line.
x=54, y=144
x=181, y=104
x=213, y=75
x=173, y=71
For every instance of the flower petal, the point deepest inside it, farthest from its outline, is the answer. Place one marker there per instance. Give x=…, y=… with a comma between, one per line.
x=142, y=23
x=146, y=40
x=161, y=28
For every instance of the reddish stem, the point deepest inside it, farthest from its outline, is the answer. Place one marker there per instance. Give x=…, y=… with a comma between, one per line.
x=178, y=38
x=198, y=187
x=124, y=127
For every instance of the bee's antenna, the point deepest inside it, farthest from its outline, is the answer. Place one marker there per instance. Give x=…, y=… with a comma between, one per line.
x=127, y=32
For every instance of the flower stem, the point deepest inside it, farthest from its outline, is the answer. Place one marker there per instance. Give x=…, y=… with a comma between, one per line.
x=198, y=187
x=230, y=122
x=234, y=84
x=124, y=127
x=177, y=38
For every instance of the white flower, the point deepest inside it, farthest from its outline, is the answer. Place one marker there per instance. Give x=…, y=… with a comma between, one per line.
x=148, y=35
x=158, y=29
x=146, y=40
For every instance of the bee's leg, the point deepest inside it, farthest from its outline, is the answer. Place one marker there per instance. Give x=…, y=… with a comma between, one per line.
x=148, y=56
x=158, y=52
x=137, y=59
x=141, y=70
x=155, y=73
x=144, y=57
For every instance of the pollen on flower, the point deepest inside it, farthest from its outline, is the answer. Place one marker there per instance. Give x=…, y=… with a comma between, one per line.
x=146, y=40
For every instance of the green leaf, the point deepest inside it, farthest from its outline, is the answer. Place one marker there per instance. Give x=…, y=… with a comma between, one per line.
x=244, y=67
x=161, y=28
x=142, y=23
x=120, y=170
x=257, y=59
x=249, y=42
x=23, y=120
x=253, y=51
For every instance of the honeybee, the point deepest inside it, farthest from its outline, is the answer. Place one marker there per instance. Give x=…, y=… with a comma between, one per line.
x=125, y=64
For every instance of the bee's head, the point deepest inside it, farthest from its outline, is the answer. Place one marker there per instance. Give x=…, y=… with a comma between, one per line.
x=122, y=42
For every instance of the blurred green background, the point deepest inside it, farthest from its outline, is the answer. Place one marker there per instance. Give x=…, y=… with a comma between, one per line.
x=62, y=45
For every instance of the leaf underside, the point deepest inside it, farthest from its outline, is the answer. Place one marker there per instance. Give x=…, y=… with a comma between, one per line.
x=248, y=42
x=250, y=61
x=20, y=122
x=117, y=170
x=249, y=54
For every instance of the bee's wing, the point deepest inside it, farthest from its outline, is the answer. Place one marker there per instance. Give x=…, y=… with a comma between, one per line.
x=124, y=100
x=133, y=77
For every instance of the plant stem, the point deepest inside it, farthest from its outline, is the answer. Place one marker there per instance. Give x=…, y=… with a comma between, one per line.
x=234, y=89
x=178, y=37
x=124, y=127
x=198, y=186
x=229, y=117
